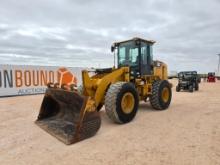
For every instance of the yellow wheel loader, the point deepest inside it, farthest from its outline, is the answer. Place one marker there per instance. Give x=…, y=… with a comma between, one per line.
x=72, y=115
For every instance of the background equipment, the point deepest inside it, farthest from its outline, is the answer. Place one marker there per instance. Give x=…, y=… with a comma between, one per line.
x=211, y=77
x=188, y=80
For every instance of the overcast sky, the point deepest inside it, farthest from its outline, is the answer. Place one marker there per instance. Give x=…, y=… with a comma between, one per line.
x=80, y=32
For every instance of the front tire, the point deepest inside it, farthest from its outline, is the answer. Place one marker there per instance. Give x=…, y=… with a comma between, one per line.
x=121, y=102
x=190, y=88
x=161, y=95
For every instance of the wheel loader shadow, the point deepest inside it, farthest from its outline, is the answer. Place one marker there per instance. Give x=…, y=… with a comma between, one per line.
x=145, y=107
x=186, y=91
x=108, y=124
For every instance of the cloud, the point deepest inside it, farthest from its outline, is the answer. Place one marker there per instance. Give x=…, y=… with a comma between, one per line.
x=80, y=33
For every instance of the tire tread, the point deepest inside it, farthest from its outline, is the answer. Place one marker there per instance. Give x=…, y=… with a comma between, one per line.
x=110, y=101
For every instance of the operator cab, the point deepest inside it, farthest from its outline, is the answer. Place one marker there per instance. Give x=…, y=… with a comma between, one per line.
x=136, y=54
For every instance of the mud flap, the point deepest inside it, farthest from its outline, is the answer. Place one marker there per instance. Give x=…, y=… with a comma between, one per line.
x=63, y=114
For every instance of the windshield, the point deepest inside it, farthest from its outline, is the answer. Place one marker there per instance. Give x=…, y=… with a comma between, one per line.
x=128, y=54
x=187, y=74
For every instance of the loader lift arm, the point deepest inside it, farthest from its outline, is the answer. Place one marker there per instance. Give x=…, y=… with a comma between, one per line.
x=96, y=87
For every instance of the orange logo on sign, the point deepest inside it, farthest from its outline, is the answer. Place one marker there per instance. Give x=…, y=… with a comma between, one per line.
x=66, y=77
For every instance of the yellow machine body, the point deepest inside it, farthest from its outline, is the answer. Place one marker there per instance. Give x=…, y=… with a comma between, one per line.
x=72, y=116
x=96, y=86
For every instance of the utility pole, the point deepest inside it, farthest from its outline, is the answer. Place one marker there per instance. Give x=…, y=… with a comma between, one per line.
x=219, y=65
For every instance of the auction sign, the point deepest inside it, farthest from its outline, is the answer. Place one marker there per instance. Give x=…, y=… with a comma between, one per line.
x=25, y=80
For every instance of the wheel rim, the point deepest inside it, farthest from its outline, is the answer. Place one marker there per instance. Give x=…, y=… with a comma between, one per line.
x=165, y=94
x=127, y=103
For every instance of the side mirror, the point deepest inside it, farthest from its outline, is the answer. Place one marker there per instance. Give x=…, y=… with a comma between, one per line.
x=112, y=48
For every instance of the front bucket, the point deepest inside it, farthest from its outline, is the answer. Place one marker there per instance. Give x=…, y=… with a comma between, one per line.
x=63, y=115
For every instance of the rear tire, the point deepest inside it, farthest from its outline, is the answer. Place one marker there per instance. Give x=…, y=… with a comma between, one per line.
x=157, y=100
x=197, y=87
x=191, y=88
x=118, y=109
x=177, y=88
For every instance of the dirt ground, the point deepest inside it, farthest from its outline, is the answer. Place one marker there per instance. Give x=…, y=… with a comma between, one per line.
x=188, y=133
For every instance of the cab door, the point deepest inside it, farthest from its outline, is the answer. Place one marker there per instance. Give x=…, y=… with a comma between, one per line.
x=146, y=59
